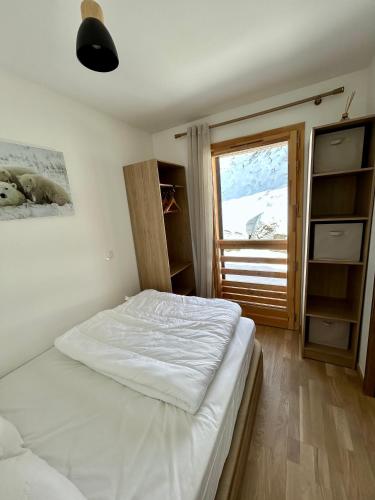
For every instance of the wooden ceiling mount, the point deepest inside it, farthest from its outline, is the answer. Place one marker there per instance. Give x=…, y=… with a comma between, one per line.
x=90, y=8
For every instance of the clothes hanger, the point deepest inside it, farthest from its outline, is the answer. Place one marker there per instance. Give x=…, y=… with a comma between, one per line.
x=169, y=202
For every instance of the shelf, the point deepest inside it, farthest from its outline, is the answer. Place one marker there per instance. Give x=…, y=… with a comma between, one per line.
x=321, y=353
x=171, y=212
x=339, y=218
x=311, y=347
x=331, y=308
x=345, y=353
x=177, y=267
x=343, y=172
x=342, y=262
x=168, y=164
x=171, y=186
x=183, y=291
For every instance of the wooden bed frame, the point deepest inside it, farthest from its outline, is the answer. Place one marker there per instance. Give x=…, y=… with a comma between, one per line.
x=235, y=464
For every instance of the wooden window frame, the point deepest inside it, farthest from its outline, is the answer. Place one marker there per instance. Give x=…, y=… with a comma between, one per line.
x=295, y=132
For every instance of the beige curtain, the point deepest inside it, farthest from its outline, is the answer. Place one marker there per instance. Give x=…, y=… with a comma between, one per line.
x=199, y=174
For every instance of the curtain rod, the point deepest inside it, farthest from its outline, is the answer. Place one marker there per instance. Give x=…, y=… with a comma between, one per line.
x=316, y=98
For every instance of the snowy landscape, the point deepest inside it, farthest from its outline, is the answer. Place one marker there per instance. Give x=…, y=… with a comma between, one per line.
x=254, y=193
x=266, y=211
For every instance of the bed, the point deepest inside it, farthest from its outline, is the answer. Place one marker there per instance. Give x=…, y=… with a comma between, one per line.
x=114, y=443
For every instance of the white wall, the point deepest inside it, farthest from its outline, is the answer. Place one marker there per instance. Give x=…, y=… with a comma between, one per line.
x=53, y=271
x=166, y=147
x=371, y=260
x=331, y=109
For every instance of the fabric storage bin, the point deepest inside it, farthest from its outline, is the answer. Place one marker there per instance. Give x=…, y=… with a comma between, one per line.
x=329, y=332
x=342, y=241
x=340, y=150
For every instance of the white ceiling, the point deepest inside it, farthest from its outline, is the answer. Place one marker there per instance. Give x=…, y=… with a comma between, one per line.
x=182, y=60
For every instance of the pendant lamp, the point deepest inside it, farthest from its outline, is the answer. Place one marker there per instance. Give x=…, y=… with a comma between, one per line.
x=95, y=47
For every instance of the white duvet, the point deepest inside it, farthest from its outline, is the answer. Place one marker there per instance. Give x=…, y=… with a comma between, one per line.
x=165, y=346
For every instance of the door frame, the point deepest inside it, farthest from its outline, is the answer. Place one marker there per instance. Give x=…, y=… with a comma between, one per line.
x=294, y=134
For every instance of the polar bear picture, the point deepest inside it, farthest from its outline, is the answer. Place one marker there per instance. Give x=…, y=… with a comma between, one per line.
x=33, y=182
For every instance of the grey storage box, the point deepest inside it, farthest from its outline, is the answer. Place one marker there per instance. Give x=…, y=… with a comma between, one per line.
x=329, y=332
x=341, y=241
x=341, y=150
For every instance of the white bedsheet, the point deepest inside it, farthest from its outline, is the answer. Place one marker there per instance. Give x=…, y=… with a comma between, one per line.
x=116, y=444
x=28, y=477
x=25, y=476
x=165, y=346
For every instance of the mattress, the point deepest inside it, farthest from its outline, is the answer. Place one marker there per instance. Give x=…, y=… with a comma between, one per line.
x=116, y=444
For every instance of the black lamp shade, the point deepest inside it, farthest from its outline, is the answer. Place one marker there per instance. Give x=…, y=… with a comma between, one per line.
x=95, y=47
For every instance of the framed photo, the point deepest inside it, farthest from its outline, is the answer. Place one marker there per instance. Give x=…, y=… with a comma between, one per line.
x=33, y=182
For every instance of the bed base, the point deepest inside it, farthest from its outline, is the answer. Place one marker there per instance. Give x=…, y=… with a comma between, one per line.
x=235, y=464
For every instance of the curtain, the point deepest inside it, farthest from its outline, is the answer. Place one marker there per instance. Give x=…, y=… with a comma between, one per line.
x=200, y=192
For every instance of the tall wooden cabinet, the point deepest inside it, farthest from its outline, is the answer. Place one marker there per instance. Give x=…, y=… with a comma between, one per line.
x=339, y=213
x=162, y=238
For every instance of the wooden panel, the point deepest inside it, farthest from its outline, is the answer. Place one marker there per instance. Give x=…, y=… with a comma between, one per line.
x=257, y=244
x=183, y=282
x=254, y=260
x=259, y=293
x=333, y=196
x=339, y=218
x=218, y=226
x=183, y=291
x=260, y=310
x=167, y=164
x=163, y=185
x=255, y=286
x=299, y=183
x=369, y=378
x=265, y=319
x=177, y=267
x=342, y=173
x=177, y=225
x=147, y=221
x=258, y=299
x=344, y=124
x=231, y=479
x=336, y=262
x=255, y=140
x=327, y=280
x=250, y=272
x=328, y=354
x=364, y=197
x=324, y=307
x=292, y=226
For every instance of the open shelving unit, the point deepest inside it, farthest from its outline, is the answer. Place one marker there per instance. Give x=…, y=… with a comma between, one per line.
x=333, y=287
x=162, y=239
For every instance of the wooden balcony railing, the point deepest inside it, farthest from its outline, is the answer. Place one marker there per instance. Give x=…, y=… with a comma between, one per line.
x=262, y=300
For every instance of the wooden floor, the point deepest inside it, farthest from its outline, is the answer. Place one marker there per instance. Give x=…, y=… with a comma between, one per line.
x=314, y=434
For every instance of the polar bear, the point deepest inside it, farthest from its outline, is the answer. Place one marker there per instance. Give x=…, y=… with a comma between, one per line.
x=42, y=190
x=9, y=195
x=10, y=175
